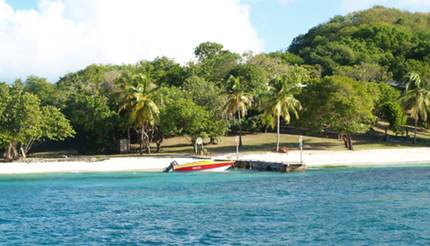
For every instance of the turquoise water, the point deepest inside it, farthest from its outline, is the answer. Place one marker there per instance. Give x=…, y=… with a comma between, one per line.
x=388, y=206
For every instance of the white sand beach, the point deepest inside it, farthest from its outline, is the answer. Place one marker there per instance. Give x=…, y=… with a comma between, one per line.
x=376, y=157
x=123, y=164
x=312, y=159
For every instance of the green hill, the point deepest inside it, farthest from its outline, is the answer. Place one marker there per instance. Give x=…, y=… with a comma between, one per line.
x=397, y=40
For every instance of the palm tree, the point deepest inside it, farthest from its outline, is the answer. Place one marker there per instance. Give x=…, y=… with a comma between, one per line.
x=123, y=94
x=416, y=99
x=280, y=102
x=143, y=112
x=237, y=102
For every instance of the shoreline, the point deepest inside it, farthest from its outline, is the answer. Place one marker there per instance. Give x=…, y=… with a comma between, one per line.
x=312, y=158
x=324, y=158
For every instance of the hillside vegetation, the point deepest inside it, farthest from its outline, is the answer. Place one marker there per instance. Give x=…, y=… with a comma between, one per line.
x=399, y=41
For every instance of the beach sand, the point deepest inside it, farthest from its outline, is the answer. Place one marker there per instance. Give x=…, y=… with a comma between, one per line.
x=123, y=164
x=312, y=159
x=376, y=157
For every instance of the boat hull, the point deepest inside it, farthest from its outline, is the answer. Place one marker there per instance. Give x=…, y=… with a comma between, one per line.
x=205, y=166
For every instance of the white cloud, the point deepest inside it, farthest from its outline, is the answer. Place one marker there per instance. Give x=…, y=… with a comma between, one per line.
x=413, y=5
x=66, y=35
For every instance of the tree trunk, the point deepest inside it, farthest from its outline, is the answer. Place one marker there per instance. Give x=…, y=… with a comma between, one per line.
x=278, y=132
x=212, y=140
x=386, y=133
x=146, y=140
x=28, y=145
x=23, y=154
x=158, y=147
x=148, y=146
x=158, y=137
x=15, y=154
x=129, y=140
x=240, y=127
x=142, y=129
x=11, y=152
x=8, y=154
x=350, y=147
x=415, y=131
x=345, y=140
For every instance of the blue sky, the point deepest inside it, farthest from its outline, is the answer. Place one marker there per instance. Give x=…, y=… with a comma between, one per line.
x=49, y=38
x=277, y=23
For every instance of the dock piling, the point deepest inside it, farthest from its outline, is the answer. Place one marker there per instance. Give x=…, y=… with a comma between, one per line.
x=269, y=166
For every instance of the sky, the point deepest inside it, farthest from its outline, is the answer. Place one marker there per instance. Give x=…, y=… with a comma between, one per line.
x=49, y=38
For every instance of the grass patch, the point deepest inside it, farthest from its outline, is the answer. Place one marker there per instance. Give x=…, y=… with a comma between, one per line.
x=265, y=142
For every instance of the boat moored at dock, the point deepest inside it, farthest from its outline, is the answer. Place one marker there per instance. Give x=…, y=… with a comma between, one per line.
x=201, y=166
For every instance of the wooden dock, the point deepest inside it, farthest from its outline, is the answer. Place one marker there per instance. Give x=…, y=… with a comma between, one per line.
x=269, y=166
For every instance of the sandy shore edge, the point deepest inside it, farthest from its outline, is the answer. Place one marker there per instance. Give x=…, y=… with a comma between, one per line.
x=312, y=159
x=375, y=157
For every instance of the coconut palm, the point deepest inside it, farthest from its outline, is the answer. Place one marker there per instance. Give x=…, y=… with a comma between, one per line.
x=416, y=99
x=280, y=103
x=238, y=102
x=137, y=101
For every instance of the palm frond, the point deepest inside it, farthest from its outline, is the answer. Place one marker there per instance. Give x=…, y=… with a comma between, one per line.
x=416, y=97
x=281, y=101
x=136, y=99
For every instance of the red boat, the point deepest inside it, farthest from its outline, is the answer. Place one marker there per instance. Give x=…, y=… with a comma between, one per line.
x=200, y=166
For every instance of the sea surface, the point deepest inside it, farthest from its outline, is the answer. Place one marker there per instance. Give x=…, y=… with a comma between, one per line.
x=342, y=206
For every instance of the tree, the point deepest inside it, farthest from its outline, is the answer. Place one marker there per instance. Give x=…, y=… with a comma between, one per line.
x=208, y=50
x=237, y=102
x=40, y=87
x=93, y=79
x=164, y=97
x=204, y=93
x=54, y=126
x=23, y=121
x=143, y=112
x=416, y=99
x=273, y=66
x=209, y=96
x=287, y=57
x=388, y=108
x=167, y=72
x=340, y=104
x=365, y=72
x=393, y=113
x=184, y=117
x=252, y=78
x=5, y=99
x=280, y=102
x=214, y=62
x=95, y=123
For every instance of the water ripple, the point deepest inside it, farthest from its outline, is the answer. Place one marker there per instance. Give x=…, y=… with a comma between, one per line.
x=320, y=207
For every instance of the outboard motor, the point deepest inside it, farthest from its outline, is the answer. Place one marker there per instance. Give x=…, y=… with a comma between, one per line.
x=171, y=167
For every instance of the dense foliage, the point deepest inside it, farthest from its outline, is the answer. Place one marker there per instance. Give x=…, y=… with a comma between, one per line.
x=24, y=121
x=342, y=105
x=395, y=40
